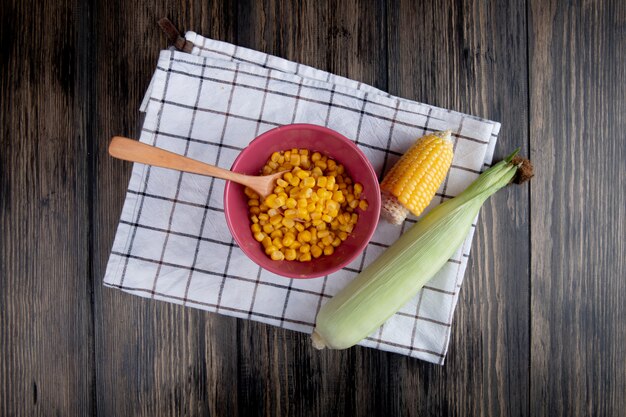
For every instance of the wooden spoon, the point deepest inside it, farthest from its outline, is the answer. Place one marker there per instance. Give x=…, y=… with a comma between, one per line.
x=135, y=151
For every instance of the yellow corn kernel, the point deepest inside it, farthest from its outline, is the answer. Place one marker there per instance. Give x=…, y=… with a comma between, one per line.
x=308, y=181
x=413, y=181
x=291, y=213
x=332, y=165
x=316, y=251
x=311, y=208
x=274, y=220
x=316, y=172
x=354, y=218
x=342, y=235
x=305, y=248
x=305, y=192
x=299, y=227
x=254, y=219
x=270, y=200
x=255, y=210
x=303, y=213
x=330, y=183
x=327, y=240
x=276, y=233
x=328, y=250
x=256, y=228
x=316, y=216
x=363, y=205
x=340, y=169
x=290, y=254
x=316, y=156
x=350, y=198
x=295, y=245
x=304, y=257
x=291, y=203
x=288, y=239
x=327, y=218
x=294, y=181
x=277, y=255
x=277, y=242
x=288, y=223
x=353, y=204
x=278, y=189
x=302, y=174
x=259, y=236
x=270, y=249
x=268, y=228
x=267, y=242
x=275, y=157
x=302, y=202
x=304, y=236
x=322, y=234
x=336, y=242
x=321, y=181
x=358, y=189
x=338, y=196
x=250, y=193
x=295, y=159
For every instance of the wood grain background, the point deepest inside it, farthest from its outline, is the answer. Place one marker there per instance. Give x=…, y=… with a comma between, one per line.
x=539, y=329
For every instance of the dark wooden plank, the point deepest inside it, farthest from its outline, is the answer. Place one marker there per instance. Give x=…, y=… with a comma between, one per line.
x=471, y=57
x=578, y=119
x=280, y=373
x=46, y=333
x=153, y=358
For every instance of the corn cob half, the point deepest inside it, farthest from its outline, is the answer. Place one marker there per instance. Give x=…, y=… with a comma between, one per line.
x=412, y=182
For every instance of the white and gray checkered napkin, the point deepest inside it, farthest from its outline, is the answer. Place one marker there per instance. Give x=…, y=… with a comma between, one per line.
x=172, y=241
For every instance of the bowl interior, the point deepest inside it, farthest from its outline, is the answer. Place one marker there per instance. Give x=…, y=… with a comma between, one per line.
x=315, y=138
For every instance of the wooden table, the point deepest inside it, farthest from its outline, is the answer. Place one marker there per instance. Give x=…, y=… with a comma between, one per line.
x=539, y=330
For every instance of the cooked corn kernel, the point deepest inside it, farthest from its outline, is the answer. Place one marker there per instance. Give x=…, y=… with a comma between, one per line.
x=316, y=251
x=277, y=256
x=290, y=254
x=310, y=211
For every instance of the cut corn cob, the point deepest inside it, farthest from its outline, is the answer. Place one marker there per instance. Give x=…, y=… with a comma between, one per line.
x=413, y=181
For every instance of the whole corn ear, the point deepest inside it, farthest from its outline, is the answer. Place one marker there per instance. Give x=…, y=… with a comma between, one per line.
x=412, y=182
x=390, y=281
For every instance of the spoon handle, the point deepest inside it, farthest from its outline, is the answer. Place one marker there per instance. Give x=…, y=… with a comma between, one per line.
x=135, y=151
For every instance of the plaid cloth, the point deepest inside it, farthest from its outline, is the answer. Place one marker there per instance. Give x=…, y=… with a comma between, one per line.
x=172, y=241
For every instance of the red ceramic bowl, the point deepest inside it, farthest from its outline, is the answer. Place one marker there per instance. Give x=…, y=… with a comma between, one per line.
x=315, y=138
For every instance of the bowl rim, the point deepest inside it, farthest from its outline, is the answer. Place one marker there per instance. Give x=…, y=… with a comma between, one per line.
x=229, y=187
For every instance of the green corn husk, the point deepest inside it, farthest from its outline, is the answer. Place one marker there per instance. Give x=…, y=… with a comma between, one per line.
x=382, y=288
